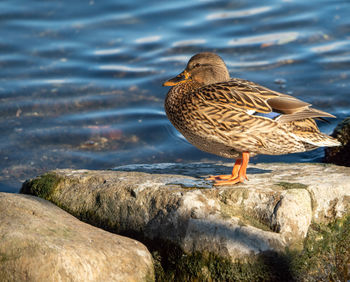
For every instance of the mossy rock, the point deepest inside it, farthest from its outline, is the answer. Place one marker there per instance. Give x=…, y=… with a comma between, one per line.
x=43, y=186
x=325, y=257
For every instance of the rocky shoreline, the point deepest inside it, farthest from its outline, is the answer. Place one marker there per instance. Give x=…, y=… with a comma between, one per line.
x=257, y=230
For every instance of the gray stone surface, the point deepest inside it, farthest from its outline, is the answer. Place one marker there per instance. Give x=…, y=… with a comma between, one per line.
x=41, y=242
x=271, y=211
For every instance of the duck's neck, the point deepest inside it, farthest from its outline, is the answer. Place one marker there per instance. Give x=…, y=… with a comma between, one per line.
x=177, y=103
x=179, y=92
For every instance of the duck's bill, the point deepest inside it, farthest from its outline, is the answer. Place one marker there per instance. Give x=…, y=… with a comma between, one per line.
x=182, y=77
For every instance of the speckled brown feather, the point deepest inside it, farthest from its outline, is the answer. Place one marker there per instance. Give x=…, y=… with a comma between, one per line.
x=215, y=117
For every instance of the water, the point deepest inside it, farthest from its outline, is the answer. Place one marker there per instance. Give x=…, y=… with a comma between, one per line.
x=80, y=82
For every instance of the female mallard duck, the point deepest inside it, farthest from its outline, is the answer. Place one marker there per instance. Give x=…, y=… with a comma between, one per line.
x=236, y=118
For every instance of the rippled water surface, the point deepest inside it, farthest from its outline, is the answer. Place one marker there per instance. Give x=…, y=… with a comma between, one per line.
x=81, y=80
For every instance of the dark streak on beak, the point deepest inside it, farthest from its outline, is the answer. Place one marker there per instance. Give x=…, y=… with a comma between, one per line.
x=180, y=78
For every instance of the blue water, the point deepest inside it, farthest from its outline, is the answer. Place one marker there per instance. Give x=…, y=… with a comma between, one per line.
x=80, y=81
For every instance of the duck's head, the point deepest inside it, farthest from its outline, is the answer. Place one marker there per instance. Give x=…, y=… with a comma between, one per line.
x=204, y=68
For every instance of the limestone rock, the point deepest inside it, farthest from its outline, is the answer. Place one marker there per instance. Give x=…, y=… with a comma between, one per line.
x=268, y=213
x=41, y=242
x=340, y=155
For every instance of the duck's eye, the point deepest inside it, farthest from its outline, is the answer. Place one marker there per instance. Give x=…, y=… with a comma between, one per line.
x=195, y=65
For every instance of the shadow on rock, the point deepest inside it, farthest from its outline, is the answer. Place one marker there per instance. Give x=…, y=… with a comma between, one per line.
x=191, y=169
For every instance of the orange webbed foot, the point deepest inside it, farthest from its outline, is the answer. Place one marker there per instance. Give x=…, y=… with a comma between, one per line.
x=219, y=177
x=231, y=181
x=239, y=173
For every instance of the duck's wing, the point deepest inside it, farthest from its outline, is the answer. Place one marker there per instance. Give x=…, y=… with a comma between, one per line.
x=252, y=97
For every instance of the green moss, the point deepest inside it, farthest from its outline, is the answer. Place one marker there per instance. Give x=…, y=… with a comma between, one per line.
x=253, y=221
x=326, y=254
x=289, y=185
x=325, y=257
x=174, y=265
x=43, y=186
x=237, y=210
x=4, y=257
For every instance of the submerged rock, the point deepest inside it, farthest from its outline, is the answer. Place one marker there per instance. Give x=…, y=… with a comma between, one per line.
x=40, y=242
x=173, y=208
x=340, y=155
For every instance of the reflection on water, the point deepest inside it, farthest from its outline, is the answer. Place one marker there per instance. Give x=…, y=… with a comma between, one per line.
x=81, y=80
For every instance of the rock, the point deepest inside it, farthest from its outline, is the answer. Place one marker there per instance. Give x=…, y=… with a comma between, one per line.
x=40, y=242
x=340, y=155
x=173, y=207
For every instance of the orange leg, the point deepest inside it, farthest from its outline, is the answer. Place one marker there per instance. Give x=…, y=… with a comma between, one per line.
x=239, y=172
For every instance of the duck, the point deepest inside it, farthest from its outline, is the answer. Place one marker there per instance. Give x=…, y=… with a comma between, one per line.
x=237, y=118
